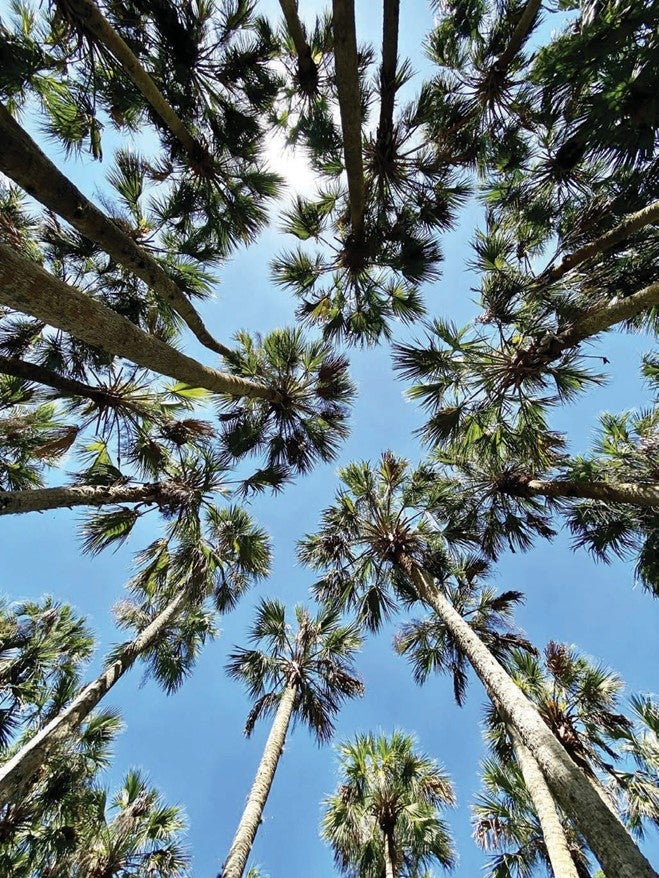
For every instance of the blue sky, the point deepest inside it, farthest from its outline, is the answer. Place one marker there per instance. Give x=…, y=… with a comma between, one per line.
x=191, y=744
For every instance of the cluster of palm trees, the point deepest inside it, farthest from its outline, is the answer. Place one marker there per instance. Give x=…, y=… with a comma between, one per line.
x=97, y=296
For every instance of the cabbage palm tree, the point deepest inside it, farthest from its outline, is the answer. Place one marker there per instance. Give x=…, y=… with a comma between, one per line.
x=296, y=674
x=373, y=538
x=170, y=619
x=385, y=816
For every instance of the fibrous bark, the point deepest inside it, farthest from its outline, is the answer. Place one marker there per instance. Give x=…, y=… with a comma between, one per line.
x=66, y=496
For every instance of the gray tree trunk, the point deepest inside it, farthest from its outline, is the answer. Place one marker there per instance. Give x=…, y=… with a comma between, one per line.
x=606, y=836
x=306, y=66
x=389, y=856
x=23, y=161
x=243, y=840
x=390, y=18
x=26, y=287
x=66, y=496
x=28, y=371
x=561, y=860
x=638, y=494
x=18, y=773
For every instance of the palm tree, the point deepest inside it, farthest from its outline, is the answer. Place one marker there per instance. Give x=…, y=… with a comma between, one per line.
x=372, y=538
x=170, y=619
x=302, y=674
x=385, y=817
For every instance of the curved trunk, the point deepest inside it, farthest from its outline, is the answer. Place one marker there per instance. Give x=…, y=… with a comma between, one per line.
x=347, y=86
x=40, y=375
x=258, y=795
x=307, y=70
x=89, y=16
x=628, y=226
x=23, y=161
x=390, y=17
x=606, y=836
x=520, y=33
x=41, y=499
x=561, y=860
x=26, y=287
x=637, y=494
x=17, y=773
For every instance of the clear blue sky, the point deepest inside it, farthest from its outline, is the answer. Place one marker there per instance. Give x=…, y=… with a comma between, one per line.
x=191, y=744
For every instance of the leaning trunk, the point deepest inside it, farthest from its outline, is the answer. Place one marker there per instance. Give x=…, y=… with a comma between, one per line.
x=67, y=496
x=561, y=860
x=26, y=287
x=606, y=836
x=519, y=35
x=258, y=795
x=27, y=371
x=19, y=772
x=23, y=161
x=637, y=494
x=307, y=69
x=350, y=103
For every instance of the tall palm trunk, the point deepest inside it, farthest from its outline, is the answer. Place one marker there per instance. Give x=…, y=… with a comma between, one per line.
x=632, y=223
x=389, y=854
x=258, y=795
x=307, y=71
x=390, y=17
x=87, y=14
x=560, y=857
x=26, y=287
x=23, y=161
x=637, y=494
x=522, y=29
x=41, y=375
x=18, y=772
x=347, y=86
x=66, y=496
x=608, y=839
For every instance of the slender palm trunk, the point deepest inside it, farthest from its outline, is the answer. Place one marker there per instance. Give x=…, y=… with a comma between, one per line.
x=89, y=16
x=26, y=287
x=522, y=29
x=258, y=795
x=389, y=855
x=390, y=17
x=632, y=223
x=66, y=386
x=637, y=494
x=562, y=862
x=18, y=773
x=66, y=496
x=307, y=70
x=606, y=836
x=347, y=85
x=23, y=161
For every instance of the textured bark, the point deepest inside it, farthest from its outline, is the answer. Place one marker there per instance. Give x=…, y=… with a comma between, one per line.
x=89, y=16
x=632, y=223
x=561, y=860
x=637, y=494
x=520, y=33
x=40, y=375
x=23, y=161
x=19, y=772
x=390, y=17
x=606, y=836
x=258, y=795
x=41, y=499
x=389, y=855
x=26, y=287
x=347, y=85
x=306, y=67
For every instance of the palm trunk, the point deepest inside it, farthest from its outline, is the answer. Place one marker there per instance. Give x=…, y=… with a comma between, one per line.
x=89, y=16
x=307, y=70
x=390, y=17
x=18, y=772
x=347, y=85
x=243, y=840
x=561, y=860
x=637, y=494
x=66, y=386
x=632, y=223
x=389, y=855
x=606, y=836
x=23, y=161
x=520, y=33
x=41, y=499
x=26, y=287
